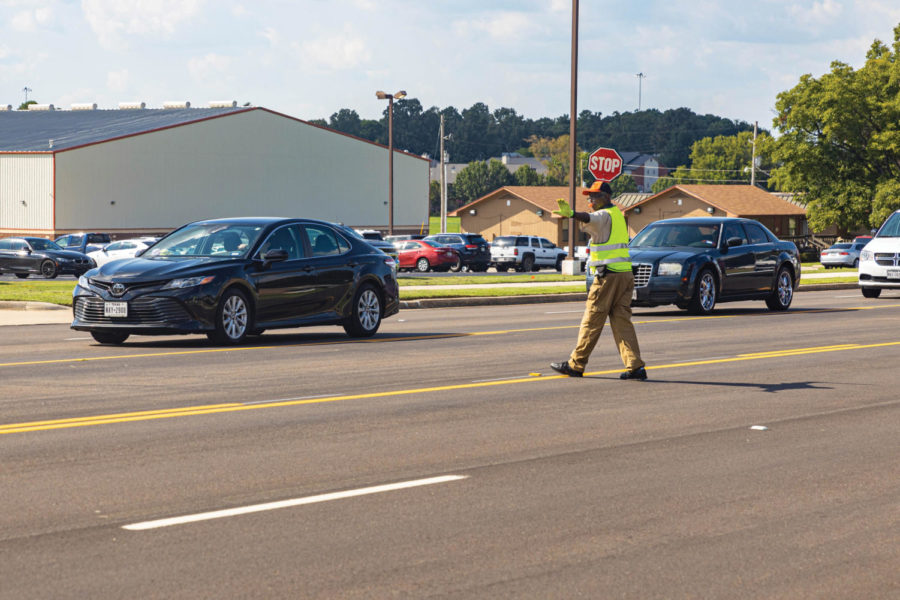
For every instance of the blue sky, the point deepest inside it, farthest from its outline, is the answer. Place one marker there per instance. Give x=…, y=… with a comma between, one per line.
x=310, y=58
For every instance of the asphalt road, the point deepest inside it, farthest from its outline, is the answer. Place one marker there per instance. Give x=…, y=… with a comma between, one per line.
x=443, y=458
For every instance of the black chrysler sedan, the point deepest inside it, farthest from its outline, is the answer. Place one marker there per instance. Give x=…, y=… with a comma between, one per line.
x=230, y=278
x=26, y=255
x=694, y=263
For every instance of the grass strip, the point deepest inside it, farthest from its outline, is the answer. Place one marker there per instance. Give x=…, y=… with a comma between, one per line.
x=28, y=290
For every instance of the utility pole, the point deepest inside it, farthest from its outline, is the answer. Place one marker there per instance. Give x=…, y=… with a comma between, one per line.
x=569, y=265
x=26, y=89
x=443, y=182
x=753, y=157
x=640, y=77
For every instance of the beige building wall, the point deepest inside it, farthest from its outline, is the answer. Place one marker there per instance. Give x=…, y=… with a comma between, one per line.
x=255, y=163
x=508, y=215
x=26, y=194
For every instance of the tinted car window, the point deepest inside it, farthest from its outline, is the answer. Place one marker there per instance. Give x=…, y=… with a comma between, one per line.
x=734, y=230
x=756, y=234
x=891, y=227
x=5, y=244
x=285, y=238
x=504, y=241
x=39, y=244
x=535, y=243
x=322, y=240
x=547, y=244
x=670, y=235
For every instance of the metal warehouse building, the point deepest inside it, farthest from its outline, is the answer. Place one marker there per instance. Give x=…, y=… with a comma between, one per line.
x=135, y=171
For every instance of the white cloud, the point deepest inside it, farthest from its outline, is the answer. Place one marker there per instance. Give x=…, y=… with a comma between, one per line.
x=113, y=21
x=209, y=67
x=117, y=81
x=502, y=27
x=28, y=21
x=339, y=52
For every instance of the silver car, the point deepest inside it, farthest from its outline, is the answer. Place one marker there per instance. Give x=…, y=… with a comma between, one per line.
x=842, y=255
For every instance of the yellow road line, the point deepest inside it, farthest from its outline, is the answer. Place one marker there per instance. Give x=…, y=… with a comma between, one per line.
x=234, y=407
x=440, y=336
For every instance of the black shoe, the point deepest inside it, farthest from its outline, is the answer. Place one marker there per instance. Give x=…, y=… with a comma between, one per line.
x=565, y=369
x=639, y=373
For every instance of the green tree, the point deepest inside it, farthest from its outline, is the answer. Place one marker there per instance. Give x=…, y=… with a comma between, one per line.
x=554, y=153
x=623, y=184
x=726, y=159
x=480, y=178
x=840, y=140
x=25, y=105
x=663, y=183
x=526, y=175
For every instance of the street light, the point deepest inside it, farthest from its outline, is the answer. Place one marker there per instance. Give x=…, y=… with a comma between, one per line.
x=390, y=98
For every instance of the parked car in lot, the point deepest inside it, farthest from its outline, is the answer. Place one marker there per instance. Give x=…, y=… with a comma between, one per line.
x=844, y=254
x=425, y=255
x=83, y=242
x=695, y=263
x=402, y=237
x=525, y=253
x=474, y=251
x=26, y=255
x=121, y=249
x=230, y=278
x=879, y=262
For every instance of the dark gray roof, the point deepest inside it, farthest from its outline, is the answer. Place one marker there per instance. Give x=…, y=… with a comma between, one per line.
x=31, y=131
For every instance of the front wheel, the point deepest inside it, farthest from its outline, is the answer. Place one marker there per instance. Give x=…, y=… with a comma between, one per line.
x=365, y=314
x=869, y=292
x=49, y=269
x=22, y=275
x=232, y=319
x=704, y=299
x=422, y=265
x=855, y=263
x=559, y=261
x=109, y=337
x=457, y=266
x=783, y=293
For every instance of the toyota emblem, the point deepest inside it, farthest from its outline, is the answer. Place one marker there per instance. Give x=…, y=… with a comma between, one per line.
x=118, y=289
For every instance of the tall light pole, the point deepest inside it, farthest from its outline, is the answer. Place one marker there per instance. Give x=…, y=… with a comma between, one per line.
x=569, y=268
x=640, y=77
x=390, y=98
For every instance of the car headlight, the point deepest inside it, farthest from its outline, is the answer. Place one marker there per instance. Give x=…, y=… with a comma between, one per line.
x=669, y=269
x=84, y=282
x=867, y=255
x=187, y=282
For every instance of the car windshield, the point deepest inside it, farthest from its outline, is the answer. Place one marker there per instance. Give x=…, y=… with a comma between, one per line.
x=891, y=227
x=672, y=235
x=208, y=239
x=40, y=244
x=840, y=247
x=503, y=242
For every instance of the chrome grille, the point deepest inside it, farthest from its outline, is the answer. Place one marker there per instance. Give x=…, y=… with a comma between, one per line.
x=887, y=260
x=141, y=311
x=641, y=274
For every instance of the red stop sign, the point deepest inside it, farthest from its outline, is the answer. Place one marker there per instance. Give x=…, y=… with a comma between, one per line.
x=605, y=164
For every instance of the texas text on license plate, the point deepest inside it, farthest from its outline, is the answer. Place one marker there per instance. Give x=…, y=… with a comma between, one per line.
x=115, y=309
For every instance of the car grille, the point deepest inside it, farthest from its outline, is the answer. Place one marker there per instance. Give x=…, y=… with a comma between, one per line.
x=107, y=285
x=641, y=274
x=887, y=260
x=141, y=311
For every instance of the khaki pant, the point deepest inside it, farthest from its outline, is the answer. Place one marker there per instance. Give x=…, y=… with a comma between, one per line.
x=609, y=296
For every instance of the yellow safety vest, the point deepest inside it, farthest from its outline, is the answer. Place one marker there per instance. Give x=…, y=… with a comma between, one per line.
x=613, y=254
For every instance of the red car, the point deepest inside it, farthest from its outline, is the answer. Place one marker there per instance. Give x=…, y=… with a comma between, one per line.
x=424, y=256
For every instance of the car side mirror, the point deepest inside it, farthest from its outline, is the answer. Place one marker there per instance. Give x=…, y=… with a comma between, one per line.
x=275, y=255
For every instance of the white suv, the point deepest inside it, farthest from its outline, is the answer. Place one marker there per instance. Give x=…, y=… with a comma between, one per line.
x=525, y=253
x=879, y=262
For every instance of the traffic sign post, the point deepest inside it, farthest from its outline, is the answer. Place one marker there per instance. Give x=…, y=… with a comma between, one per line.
x=605, y=164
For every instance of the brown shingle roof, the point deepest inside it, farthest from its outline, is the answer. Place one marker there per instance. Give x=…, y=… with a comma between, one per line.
x=542, y=196
x=740, y=200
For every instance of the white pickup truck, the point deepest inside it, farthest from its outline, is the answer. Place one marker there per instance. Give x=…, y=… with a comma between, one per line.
x=525, y=253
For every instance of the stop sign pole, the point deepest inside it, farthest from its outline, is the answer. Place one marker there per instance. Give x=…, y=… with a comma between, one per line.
x=605, y=164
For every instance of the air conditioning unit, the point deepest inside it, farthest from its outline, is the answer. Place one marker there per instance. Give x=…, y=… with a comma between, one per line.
x=176, y=104
x=85, y=106
x=222, y=103
x=132, y=105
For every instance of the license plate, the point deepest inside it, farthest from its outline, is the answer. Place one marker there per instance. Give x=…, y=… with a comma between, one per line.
x=115, y=309
x=893, y=273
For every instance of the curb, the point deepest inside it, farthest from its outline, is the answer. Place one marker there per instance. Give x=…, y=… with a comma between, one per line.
x=541, y=299
x=28, y=305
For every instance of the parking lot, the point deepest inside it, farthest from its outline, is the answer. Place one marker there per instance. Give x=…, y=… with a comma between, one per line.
x=443, y=457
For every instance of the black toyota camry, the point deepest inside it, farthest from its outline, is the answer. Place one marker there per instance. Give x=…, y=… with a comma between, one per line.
x=230, y=278
x=696, y=262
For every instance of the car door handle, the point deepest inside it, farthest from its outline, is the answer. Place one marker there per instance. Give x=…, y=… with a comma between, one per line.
x=309, y=268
